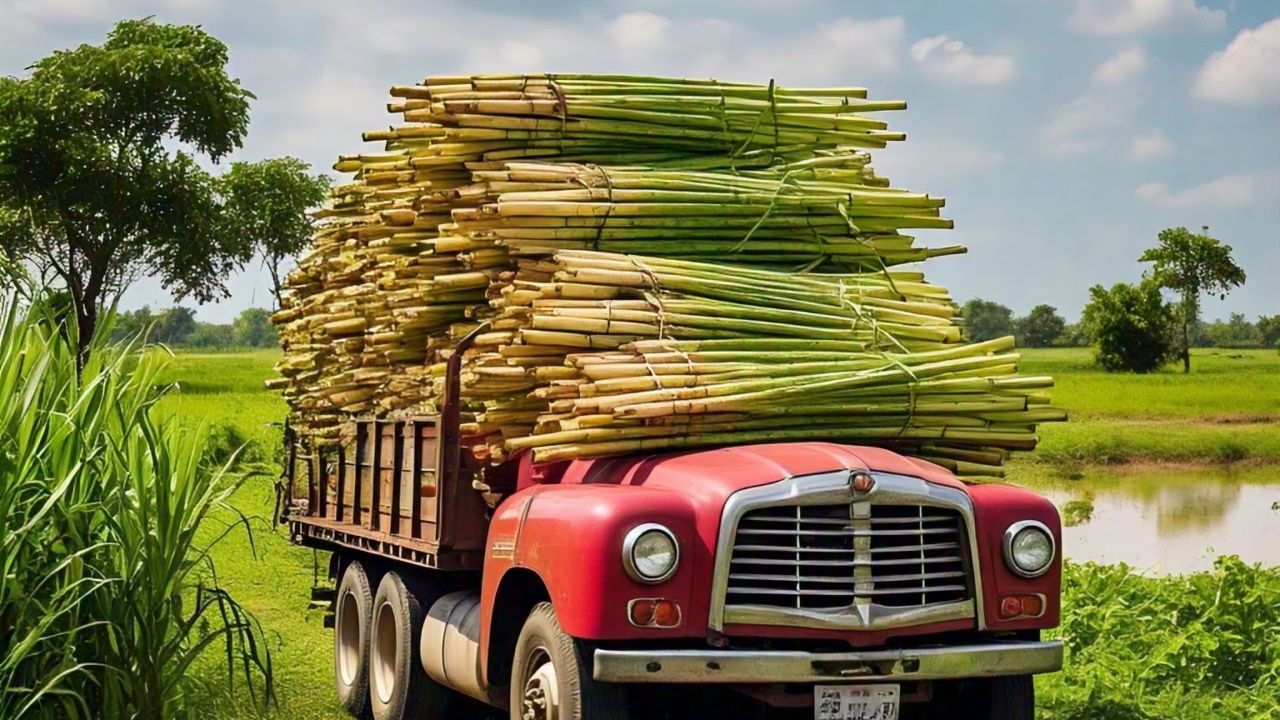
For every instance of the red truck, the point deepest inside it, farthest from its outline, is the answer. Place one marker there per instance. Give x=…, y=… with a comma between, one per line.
x=805, y=579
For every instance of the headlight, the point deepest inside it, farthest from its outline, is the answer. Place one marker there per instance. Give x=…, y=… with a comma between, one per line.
x=650, y=554
x=1028, y=548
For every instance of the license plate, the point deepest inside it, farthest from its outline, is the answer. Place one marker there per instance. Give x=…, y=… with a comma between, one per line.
x=855, y=702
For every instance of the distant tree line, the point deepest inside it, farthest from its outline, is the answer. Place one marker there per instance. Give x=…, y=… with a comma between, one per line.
x=1134, y=327
x=178, y=327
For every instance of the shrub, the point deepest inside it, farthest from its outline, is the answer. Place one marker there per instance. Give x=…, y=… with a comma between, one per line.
x=1131, y=325
x=1200, y=646
x=106, y=596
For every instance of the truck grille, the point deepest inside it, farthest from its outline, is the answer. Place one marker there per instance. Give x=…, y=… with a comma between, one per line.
x=815, y=557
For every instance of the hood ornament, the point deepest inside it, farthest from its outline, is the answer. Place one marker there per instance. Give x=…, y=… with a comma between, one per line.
x=861, y=482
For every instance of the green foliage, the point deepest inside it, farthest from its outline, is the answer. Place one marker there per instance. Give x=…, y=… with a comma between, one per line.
x=1130, y=325
x=1269, y=330
x=268, y=201
x=252, y=328
x=985, y=320
x=178, y=327
x=1200, y=646
x=107, y=591
x=91, y=186
x=1077, y=512
x=1041, y=327
x=1073, y=335
x=1236, y=332
x=1191, y=264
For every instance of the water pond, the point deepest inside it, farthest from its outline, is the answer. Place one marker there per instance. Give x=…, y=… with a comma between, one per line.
x=1169, y=521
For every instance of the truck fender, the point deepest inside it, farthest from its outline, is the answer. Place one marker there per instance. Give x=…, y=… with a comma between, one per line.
x=564, y=542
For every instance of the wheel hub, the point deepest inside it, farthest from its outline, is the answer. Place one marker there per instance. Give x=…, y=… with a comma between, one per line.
x=542, y=692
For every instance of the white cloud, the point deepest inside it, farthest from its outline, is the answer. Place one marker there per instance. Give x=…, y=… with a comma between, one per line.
x=638, y=30
x=1245, y=73
x=945, y=58
x=1129, y=17
x=1236, y=190
x=1121, y=67
x=1085, y=124
x=1149, y=146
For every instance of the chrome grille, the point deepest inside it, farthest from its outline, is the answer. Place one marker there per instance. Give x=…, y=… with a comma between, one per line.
x=821, y=557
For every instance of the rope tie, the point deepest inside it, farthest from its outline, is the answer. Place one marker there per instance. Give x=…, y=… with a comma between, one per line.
x=562, y=106
x=772, y=109
x=768, y=210
x=608, y=211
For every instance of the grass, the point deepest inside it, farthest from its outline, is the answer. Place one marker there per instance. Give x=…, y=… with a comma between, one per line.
x=1226, y=410
x=1232, y=398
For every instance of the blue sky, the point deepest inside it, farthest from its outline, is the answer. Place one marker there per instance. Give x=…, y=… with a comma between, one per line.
x=1064, y=133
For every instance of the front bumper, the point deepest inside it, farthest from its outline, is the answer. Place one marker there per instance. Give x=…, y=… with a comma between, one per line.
x=751, y=666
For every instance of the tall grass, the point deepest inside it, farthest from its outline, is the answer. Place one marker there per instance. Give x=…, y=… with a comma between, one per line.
x=107, y=597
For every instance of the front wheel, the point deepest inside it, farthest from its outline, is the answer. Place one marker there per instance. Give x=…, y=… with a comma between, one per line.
x=551, y=676
x=1000, y=698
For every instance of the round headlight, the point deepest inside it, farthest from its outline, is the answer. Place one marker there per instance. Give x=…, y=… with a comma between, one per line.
x=650, y=553
x=1028, y=548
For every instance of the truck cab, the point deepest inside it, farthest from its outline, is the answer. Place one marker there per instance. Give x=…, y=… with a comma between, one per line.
x=797, y=579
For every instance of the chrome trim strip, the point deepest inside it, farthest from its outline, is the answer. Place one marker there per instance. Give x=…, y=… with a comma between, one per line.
x=833, y=488
x=752, y=666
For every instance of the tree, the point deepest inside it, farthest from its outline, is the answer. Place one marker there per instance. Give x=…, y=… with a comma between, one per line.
x=1236, y=332
x=1073, y=335
x=173, y=326
x=1041, y=327
x=1269, y=328
x=253, y=328
x=209, y=336
x=92, y=187
x=268, y=201
x=1131, y=325
x=986, y=320
x=1191, y=264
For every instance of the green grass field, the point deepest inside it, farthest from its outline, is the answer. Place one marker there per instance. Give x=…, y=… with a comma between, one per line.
x=1228, y=409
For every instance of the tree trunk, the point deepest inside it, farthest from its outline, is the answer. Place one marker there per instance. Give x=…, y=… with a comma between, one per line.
x=86, y=325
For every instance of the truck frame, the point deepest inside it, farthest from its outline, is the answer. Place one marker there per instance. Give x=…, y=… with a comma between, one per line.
x=804, y=579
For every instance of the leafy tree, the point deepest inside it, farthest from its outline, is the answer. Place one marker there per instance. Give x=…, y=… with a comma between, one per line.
x=210, y=335
x=1237, y=332
x=1131, y=325
x=253, y=328
x=1191, y=264
x=173, y=326
x=1269, y=328
x=1041, y=327
x=93, y=186
x=268, y=201
x=1073, y=335
x=985, y=320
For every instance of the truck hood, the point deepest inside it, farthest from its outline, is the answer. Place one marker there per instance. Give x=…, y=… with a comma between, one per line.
x=708, y=477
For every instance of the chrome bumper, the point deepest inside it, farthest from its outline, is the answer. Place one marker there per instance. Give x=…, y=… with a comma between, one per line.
x=751, y=666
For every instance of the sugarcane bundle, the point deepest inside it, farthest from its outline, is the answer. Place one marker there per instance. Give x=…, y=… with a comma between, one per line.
x=826, y=212
x=596, y=353
x=406, y=250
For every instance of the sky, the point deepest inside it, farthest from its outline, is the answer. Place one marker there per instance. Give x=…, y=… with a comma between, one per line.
x=1064, y=133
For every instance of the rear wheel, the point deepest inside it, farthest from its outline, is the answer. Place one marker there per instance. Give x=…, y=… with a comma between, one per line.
x=399, y=689
x=1000, y=698
x=353, y=612
x=551, y=676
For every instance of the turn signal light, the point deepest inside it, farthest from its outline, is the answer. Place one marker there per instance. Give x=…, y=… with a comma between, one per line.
x=1013, y=607
x=654, y=612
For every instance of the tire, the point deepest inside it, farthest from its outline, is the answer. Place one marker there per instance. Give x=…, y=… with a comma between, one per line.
x=551, y=667
x=353, y=612
x=399, y=689
x=1001, y=698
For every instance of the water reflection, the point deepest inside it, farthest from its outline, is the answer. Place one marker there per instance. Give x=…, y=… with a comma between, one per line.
x=1173, y=521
